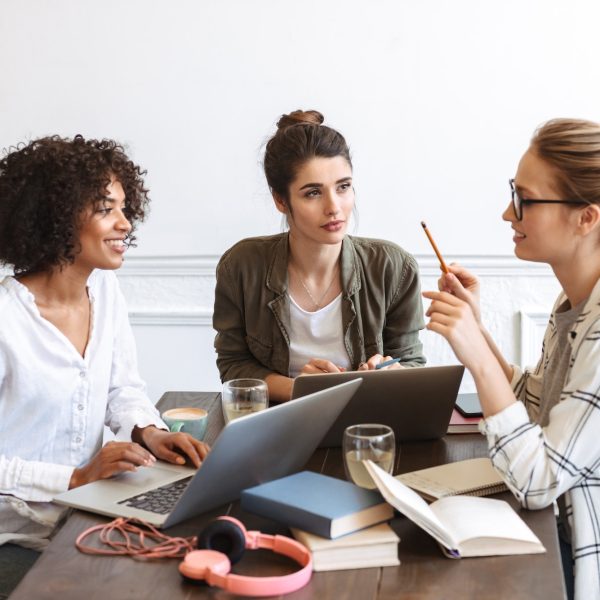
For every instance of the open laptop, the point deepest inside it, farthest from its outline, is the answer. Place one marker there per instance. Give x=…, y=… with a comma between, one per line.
x=416, y=402
x=253, y=449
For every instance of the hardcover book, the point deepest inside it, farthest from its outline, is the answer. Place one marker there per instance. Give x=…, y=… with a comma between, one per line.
x=460, y=424
x=375, y=546
x=316, y=503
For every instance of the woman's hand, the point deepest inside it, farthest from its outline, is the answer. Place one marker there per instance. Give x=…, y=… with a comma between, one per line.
x=464, y=285
x=112, y=459
x=320, y=365
x=376, y=359
x=454, y=319
x=170, y=446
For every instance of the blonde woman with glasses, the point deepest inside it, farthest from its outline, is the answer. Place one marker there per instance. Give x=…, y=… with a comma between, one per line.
x=543, y=424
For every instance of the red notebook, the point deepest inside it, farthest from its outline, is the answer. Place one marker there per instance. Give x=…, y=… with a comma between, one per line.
x=460, y=424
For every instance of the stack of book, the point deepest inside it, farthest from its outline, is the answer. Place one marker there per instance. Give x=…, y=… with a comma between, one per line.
x=341, y=523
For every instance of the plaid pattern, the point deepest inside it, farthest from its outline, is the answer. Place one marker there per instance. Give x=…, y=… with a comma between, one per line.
x=540, y=464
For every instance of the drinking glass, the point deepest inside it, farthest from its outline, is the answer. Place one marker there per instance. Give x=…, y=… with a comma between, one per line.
x=368, y=441
x=242, y=397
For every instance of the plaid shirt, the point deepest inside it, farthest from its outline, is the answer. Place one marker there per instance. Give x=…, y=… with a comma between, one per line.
x=539, y=464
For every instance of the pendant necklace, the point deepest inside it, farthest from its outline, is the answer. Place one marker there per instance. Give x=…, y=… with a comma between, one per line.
x=315, y=302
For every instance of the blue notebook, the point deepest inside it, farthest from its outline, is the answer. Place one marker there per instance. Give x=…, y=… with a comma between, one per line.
x=323, y=505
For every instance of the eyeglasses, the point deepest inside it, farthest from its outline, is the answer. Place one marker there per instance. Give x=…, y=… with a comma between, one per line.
x=519, y=202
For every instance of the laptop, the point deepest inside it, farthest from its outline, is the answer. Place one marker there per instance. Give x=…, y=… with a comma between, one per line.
x=250, y=450
x=416, y=402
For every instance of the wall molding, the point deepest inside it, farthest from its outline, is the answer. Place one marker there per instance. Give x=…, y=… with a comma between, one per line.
x=205, y=265
x=202, y=318
x=178, y=290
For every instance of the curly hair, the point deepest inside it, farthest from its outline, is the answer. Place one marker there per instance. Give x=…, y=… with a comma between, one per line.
x=45, y=187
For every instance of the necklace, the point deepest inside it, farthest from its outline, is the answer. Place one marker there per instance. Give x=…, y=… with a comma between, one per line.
x=315, y=302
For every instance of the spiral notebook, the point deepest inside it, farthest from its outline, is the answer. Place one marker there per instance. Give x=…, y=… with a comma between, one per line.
x=473, y=477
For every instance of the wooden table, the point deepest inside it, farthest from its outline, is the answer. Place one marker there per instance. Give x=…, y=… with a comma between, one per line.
x=62, y=572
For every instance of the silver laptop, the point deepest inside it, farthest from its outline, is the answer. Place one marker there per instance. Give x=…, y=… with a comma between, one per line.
x=415, y=402
x=251, y=450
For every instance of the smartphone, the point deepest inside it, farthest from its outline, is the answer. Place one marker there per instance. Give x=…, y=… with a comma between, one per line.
x=468, y=405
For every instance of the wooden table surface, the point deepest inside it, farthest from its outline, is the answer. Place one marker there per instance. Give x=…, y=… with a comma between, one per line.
x=63, y=573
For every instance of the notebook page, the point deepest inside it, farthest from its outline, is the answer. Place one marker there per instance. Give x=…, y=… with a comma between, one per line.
x=455, y=478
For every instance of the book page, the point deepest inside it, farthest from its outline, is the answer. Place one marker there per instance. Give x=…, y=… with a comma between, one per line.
x=411, y=505
x=469, y=518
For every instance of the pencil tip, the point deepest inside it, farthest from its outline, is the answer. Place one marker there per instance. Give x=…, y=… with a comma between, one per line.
x=423, y=224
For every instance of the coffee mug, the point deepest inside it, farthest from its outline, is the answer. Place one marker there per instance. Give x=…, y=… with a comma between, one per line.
x=187, y=419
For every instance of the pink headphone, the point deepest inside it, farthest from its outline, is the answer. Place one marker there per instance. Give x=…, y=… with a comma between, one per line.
x=223, y=543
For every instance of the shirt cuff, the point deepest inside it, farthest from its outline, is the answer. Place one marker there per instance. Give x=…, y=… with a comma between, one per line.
x=137, y=419
x=505, y=421
x=517, y=374
x=41, y=482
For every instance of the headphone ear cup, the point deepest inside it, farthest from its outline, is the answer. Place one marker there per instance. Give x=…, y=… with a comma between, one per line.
x=223, y=536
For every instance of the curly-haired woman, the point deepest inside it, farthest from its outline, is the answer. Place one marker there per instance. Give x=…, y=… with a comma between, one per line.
x=67, y=354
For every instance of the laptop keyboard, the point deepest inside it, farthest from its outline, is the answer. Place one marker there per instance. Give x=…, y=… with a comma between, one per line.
x=160, y=500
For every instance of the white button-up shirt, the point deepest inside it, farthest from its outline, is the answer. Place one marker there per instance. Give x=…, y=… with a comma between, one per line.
x=54, y=402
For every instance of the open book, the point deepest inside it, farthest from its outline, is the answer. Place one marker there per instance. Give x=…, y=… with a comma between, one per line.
x=462, y=525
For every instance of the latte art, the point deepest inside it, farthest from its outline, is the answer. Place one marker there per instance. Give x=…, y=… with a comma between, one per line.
x=186, y=414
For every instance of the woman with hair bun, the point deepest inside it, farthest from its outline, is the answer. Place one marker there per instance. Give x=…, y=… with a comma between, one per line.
x=543, y=424
x=313, y=299
x=68, y=365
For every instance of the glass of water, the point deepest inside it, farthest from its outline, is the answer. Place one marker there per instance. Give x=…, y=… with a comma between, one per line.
x=242, y=397
x=368, y=441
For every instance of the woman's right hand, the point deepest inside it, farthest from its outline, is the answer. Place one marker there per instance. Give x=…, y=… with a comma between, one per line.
x=320, y=365
x=112, y=459
x=464, y=285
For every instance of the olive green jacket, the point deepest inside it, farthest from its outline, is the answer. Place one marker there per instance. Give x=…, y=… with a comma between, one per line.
x=382, y=310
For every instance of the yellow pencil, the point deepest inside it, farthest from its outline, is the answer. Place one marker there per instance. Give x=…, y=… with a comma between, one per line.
x=435, y=249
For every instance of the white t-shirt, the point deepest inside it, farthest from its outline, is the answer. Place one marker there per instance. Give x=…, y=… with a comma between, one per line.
x=317, y=334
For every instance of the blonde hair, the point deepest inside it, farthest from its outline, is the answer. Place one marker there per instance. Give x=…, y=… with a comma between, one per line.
x=572, y=147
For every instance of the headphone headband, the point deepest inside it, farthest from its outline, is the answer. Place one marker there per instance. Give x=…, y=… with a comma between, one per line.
x=214, y=567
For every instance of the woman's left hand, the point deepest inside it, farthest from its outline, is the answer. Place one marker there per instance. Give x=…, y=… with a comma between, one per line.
x=453, y=318
x=170, y=446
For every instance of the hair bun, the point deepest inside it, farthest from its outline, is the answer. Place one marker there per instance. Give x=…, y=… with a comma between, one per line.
x=299, y=117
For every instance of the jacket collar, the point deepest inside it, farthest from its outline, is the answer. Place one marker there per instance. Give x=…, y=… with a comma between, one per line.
x=277, y=276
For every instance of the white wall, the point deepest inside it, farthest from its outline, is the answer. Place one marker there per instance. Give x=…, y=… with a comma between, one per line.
x=437, y=99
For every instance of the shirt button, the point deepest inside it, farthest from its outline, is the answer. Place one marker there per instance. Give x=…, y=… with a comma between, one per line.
x=78, y=439
x=82, y=374
x=80, y=407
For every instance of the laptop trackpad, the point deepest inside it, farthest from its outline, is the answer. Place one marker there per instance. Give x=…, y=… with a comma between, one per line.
x=146, y=478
